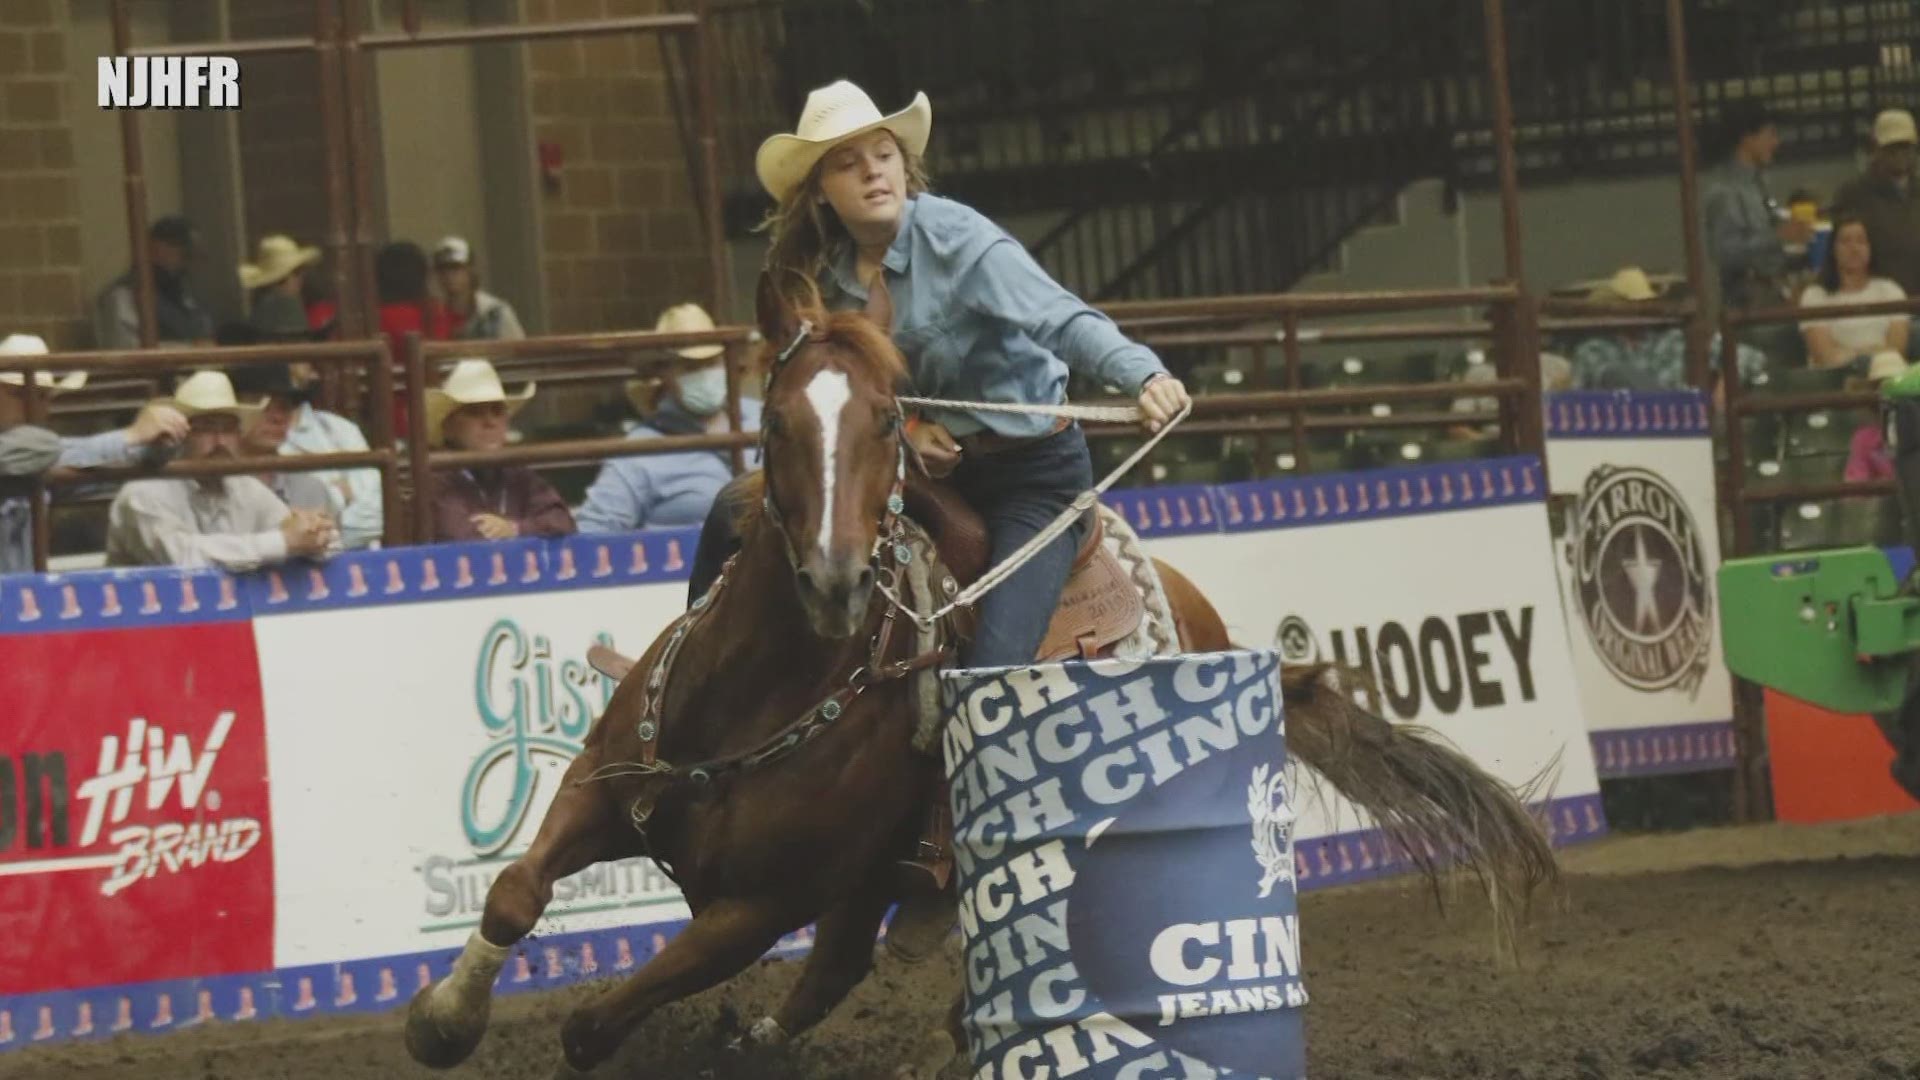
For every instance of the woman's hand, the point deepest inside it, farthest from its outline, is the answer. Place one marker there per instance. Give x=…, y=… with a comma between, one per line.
x=937, y=448
x=1161, y=400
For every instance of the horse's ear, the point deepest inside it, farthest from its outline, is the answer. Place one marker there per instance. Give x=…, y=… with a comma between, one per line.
x=879, y=310
x=776, y=316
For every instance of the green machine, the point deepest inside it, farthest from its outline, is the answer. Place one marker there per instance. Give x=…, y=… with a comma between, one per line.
x=1836, y=628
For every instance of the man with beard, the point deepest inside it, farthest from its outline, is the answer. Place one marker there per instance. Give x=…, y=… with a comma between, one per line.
x=178, y=318
x=233, y=522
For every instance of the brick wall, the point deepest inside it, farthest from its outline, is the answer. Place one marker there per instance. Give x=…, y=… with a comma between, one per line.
x=283, y=148
x=40, y=286
x=622, y=236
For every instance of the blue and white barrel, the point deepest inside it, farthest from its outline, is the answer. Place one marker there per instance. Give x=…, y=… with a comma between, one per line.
x=1125, y=847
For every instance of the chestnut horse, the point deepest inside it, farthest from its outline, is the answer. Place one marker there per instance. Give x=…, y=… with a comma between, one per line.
x=773, y=773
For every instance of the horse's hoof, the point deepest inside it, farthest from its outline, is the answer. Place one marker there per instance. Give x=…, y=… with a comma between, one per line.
x=441, y=1041
x=584, y=1042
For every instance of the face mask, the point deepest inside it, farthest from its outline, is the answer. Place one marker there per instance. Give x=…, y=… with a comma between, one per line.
x=704, y=392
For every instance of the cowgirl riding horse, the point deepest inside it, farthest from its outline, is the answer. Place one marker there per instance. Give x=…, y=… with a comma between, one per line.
x=977, y=319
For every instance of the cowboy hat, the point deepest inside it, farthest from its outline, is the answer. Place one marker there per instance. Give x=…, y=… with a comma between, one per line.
x=34, y=345
x=1629, y=283
x=210, y=392
x=832, y=115
x=277, y=257
x=688, y=319
x=471, y=382
x=1886, y=364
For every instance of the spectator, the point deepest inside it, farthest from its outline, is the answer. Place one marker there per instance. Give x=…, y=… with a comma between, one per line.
x=1847, y=278
x=470, y=411
x=177, y=316
x=274, y=283
x=289, y=424
x=233, y=522
x=1747, y=231
x=26, y=450
x=477, y=313
x=1641, y=359
x=672, y=399
x=1867, y=455
x=406, y=306
x=1884, y=198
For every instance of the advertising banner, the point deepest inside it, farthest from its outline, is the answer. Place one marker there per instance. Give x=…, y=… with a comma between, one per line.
x=1124, y=841
x=134, y=795
x=1636, y=546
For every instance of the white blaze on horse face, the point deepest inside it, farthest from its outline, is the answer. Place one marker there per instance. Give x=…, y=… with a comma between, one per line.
x=828, y=393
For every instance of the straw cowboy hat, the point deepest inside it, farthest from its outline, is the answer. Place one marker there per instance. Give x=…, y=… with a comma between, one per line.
x=34, y=345
x=277, y=257
x=644, y=393
x=471, y=382
x=209, y=393
x=1630, y=283
x=834, y=114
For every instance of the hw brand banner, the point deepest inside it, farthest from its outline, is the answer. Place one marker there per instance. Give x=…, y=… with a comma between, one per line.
x=1124, y=839
x=135, y=836
x=1636, y=545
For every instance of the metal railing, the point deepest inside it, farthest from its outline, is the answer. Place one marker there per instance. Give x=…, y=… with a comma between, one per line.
x=1743, y=402
x=344, y=51
x=380, y=455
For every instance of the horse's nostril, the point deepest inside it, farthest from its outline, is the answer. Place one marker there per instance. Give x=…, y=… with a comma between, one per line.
x=866, y=578
x=805, y=580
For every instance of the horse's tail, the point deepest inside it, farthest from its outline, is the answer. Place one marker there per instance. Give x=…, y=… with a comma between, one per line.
x=1429, y=799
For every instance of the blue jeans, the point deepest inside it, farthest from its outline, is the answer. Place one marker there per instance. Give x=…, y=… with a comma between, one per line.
x=1018, y=491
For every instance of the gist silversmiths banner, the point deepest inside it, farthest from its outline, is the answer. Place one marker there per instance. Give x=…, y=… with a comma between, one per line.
x=1124, y=838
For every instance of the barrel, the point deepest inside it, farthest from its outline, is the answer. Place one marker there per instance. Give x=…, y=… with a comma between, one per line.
x=1124, y=846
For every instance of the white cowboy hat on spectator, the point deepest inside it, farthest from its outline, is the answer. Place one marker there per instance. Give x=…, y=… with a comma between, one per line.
x=35, y=345
x=1894, y=126
x=1886, y=364
x=471, y=382
x=688, y=319
x=1629, y=283
x=206, y=393
x=277, y=257
x=834, y=114
x=453, y=251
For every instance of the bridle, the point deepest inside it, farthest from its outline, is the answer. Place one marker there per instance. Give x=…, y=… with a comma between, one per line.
x=811, y=723
x=889, y=525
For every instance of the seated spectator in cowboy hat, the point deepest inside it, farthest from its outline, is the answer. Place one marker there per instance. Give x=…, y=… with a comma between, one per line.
x=1645, y=359
x=289, y=425
x=273, y=282
x=477, y=313
x=471, y=410
x=234, y=522
x=684, y=397
x=27, y=450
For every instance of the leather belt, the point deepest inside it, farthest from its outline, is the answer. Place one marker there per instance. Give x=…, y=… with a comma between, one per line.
x=988, y=443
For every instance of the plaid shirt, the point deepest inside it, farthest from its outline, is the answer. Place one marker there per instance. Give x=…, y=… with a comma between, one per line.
x=1655, y=361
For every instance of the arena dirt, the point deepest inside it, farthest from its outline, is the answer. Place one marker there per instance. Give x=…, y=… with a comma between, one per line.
x=1754, y=954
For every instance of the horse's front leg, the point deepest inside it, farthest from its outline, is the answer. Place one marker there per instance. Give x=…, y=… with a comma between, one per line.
x=842, y=956
x=725, y=937
x=447, y=1020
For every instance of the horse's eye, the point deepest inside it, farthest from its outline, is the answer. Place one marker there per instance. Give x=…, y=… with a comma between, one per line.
x=889, y=423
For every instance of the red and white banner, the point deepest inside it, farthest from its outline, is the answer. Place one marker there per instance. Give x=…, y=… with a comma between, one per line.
x=134, y=807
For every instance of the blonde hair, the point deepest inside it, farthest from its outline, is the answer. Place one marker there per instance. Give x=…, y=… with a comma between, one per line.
x=807, y=234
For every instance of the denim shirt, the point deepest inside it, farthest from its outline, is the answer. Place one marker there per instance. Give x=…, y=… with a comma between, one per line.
x=656, y=490
x=979, y=320
x=1741, y=226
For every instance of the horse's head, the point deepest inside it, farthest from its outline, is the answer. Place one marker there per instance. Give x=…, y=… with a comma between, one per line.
x=834, y=451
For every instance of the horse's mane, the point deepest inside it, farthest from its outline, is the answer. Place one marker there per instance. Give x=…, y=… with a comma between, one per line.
x=870, y=349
